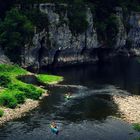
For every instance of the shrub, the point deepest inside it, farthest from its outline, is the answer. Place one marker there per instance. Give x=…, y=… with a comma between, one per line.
x=8, y=100
x=31, y=92
x=77, y=18
x=1, y=112
x=14, y=29
x=136, y=127
x=39, y=19
x=20, y=97
x=4, y=80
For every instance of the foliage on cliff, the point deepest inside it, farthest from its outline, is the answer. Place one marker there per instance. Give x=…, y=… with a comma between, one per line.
x=15, y=31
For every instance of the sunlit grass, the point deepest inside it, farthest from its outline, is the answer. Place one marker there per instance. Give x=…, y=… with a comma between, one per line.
x=48, y=79
x=14, y=91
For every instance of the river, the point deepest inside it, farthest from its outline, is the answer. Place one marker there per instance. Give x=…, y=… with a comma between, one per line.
x=90, y=114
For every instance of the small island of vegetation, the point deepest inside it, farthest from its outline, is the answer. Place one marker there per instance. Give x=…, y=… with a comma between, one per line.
x=14, y=92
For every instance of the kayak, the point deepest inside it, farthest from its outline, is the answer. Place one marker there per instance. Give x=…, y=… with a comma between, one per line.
x=54, y=130
x=67, y=97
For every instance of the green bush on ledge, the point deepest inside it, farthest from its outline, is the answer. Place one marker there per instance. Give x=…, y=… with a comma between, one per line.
x=8, y=100
x=4, y=80
x=20, y=97
x=48, y=79
x=31, y=92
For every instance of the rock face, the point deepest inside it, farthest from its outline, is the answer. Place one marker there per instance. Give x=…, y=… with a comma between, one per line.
x=134, y=33
x=128, y=41
x=58, y=46
x=122, y=35
x=4, y=59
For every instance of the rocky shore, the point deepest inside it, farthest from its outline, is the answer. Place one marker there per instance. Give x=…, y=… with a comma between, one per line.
x=129, y=107
x=20, y=111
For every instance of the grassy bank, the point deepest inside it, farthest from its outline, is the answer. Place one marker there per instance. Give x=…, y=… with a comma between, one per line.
x=14, y=92
x=49, y=79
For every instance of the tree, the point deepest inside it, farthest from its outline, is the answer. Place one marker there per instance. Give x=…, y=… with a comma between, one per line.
x=15, y=31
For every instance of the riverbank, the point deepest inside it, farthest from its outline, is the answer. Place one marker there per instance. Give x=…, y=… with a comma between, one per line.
x=129, y=107
x=18, y=97
x=18, y=112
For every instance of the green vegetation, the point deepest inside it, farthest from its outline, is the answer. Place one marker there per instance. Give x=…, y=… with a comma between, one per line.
x=136, y=127
x=4, y=80
x=1, y=112
x=15, y=31
x=7, y=99
x=77, y=18
x=49, y=78
x=38, y=19
x=15, y=91
x=31, y=92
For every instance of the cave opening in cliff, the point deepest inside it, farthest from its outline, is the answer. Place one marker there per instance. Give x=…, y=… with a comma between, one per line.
x=55, y=60
x=41, y=50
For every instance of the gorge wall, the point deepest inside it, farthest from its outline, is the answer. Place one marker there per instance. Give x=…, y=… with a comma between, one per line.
x=3, y=58
x=57, y=46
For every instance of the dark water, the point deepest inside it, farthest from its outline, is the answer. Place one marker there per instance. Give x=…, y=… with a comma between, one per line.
x=87, y=115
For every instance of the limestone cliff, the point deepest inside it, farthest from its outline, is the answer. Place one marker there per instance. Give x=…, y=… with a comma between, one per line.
x=134, y=33
x=58, y=46
x=128, y=38
x=3, y=58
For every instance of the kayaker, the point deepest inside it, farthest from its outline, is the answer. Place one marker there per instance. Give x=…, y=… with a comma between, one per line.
x=54, y=128
x=53, y=124
x=68, y=95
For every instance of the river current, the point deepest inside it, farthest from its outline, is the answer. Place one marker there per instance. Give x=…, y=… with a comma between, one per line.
x=90, y=114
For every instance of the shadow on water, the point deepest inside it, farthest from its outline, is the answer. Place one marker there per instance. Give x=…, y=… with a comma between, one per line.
x=121, y=72
x=29, y=79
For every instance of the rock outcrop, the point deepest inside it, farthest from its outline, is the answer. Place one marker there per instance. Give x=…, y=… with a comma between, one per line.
x=122, y=35
x=58, y=46
x=3, y=58
x=128, y=38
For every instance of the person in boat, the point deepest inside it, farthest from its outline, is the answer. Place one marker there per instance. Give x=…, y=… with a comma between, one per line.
x=53, y=124
x=54, y=128
x=68, y=95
